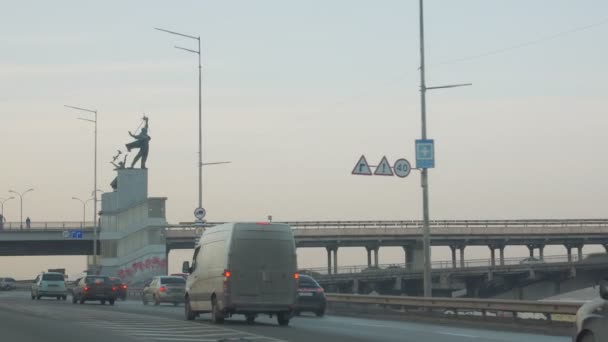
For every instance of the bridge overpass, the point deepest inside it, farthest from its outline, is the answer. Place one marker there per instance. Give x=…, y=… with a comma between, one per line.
x=49, y=238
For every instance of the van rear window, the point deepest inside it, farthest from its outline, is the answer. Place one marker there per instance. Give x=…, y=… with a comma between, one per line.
x=170, y=281
x=53, y=277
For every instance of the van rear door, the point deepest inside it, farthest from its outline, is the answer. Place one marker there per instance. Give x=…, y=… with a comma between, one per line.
x=263, y=266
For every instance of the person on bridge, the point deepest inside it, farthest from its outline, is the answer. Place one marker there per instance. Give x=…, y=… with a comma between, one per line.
x=28, y=223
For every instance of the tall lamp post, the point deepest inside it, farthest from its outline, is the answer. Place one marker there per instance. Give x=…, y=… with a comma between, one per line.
x=426, y=240
x=20, y=205
x=84, y=208
x=200, y=125
x=2, y=200
x=94, y=121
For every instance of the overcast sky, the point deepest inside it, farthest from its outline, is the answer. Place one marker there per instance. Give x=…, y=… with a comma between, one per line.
x=294, y=93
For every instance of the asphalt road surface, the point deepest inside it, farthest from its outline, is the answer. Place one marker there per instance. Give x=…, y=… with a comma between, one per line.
x=23, y=319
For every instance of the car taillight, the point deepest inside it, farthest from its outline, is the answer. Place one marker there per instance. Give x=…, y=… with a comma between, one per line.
x=227, y=274
x=123, y=287
x=296, y=276
x=113, y=289
x=162, y=289
x=86, y=289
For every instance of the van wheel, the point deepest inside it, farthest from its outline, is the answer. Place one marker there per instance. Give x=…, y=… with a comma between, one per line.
x=112, y=301
x=33, y=297
x=190, y=315
x=38, y=297
x=73, y=299
x=156, y=301
x=588, y=337
x=250, y=318
x=64, y=297
x=320, y=313
x=283, y=318
x=216, y=315
x=103, y=302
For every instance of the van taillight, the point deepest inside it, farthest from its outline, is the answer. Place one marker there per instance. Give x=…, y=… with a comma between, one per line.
x=123, y=286
x=227, y=274
x=162, y=289
x=296, y=276
x=113, y=289
x=86, y=289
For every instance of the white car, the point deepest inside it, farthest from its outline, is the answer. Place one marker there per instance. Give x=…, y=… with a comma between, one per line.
x=49, y=284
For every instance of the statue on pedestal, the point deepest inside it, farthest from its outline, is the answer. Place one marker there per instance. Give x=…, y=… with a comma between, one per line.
x=142, y=141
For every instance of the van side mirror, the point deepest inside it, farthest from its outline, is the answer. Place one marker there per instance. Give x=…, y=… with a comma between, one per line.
x=604, y=289
x=186, y=267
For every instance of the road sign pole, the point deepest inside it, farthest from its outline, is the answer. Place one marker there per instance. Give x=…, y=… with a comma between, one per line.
x=426, y=240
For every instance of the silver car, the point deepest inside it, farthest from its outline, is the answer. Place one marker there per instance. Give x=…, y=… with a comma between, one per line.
x=592, y=318
x=8, y=284
x=165, y=289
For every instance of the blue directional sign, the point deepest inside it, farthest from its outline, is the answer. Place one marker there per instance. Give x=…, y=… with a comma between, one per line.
x=425, y=154
x=76, y=234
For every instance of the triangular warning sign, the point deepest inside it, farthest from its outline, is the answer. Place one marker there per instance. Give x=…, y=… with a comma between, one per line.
x=384, y=168
x=362, y=167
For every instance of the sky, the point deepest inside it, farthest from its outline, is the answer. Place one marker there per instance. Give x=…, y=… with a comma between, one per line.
x=295, y=92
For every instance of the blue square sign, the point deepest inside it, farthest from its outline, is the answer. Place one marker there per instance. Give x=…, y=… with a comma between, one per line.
x=425, y=154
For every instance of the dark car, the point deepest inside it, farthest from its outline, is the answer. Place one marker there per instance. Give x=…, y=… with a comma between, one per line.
x=121, y=287
x=311, y=296
x=592, y=318
x=97, y=287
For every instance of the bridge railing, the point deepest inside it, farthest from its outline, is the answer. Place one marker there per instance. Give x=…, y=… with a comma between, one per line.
x=440, y=264
x=387, y=224
x=47, y=225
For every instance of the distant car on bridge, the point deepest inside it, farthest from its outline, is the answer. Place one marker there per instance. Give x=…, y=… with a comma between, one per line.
x=531, y=260
x=592, y=318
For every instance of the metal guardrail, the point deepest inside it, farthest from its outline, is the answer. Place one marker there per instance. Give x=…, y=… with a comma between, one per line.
x=455, y=304
x=444, y=264
x=37, y=226
x=414, y=224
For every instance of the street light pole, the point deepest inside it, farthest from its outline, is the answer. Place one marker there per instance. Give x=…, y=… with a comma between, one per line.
x=84, y=209
x=424, y=178
x=2, y=200
x=20, y=205
x=200, y=110
x=94, y=121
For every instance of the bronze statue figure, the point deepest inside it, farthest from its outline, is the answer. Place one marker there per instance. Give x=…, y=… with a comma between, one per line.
x=142, y=141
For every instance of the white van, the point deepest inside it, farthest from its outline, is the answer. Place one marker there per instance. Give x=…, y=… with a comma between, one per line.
x=243, y=268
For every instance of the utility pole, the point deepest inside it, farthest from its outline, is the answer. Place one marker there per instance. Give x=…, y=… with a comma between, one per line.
x=424, y=178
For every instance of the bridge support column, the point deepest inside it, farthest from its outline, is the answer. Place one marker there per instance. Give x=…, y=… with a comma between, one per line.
x=569, y=251
x=492, y=255
x=580, y=252
x=502, y=255
x=541, y=252
x=369, y=255
x=376, y=250
x=453, y=248
x=531, y=249
x=328, y=260
x=462, y=256
x=399, y=284
x=355, y=286
x=336, y=260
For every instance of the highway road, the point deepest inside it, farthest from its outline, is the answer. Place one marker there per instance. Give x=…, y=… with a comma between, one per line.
x=22, y=319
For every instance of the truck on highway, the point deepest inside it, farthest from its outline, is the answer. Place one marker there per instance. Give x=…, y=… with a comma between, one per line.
x=243, y=268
